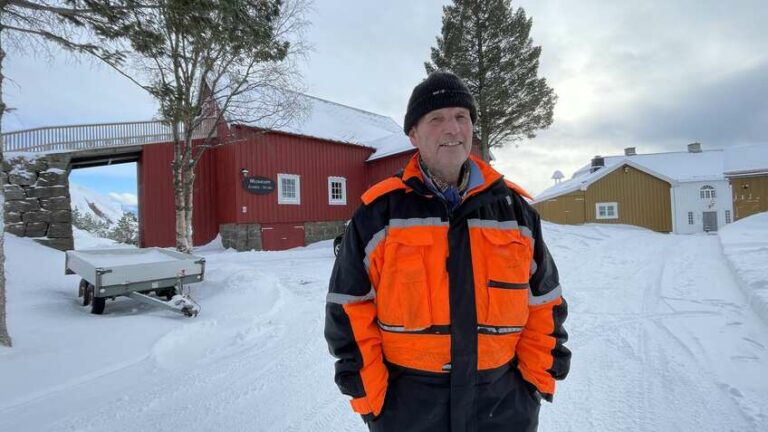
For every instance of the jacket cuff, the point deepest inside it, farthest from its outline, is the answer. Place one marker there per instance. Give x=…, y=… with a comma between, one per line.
x=361, y=405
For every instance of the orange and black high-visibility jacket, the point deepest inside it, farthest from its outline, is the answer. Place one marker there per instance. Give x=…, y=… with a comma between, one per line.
x=460, y=293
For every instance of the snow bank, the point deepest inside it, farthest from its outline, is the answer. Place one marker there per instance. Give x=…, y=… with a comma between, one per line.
x=745, y=244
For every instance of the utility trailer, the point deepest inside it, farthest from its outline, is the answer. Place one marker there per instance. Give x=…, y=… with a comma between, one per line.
x=136, y=273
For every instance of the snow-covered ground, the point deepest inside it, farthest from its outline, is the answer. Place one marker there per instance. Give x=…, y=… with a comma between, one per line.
x=663, y=340
x=746, y=246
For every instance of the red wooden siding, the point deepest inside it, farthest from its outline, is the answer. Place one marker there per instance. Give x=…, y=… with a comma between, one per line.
x=380, y=169
x=312, y=159
x=156, y=207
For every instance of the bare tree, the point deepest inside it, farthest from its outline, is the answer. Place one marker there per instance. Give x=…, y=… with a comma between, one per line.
x=208, y=61
x=75, y=25
x=5, y=338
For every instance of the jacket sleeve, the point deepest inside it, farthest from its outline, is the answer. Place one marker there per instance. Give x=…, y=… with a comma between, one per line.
x=541, y=353
x=351, y=329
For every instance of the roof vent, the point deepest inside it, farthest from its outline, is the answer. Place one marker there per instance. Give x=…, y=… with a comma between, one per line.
x=694, y=147
x=597, y=163
x=629, y=151
x=557, y=176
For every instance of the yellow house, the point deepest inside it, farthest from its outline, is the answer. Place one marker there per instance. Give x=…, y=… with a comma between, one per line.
x=681, y=192
x=747, y=169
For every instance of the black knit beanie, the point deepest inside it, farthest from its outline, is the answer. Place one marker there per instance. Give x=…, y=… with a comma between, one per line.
x=439, y=90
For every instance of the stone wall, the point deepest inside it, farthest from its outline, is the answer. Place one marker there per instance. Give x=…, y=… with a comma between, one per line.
x=37, y=202
x=316, y=231
x=241, y=237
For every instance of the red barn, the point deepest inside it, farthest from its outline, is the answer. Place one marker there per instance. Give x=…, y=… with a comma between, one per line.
x=276, y=189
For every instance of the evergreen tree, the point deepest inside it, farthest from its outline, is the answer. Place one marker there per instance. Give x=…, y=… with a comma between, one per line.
x=127, y=229
x=488, y=44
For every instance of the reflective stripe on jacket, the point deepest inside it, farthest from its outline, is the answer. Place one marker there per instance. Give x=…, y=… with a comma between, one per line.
x=457, y=294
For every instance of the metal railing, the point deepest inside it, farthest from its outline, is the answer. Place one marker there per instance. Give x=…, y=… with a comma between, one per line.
x=95, y=136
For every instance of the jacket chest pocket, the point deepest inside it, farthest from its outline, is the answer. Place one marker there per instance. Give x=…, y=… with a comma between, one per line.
x=507, y=271
x=403, y=298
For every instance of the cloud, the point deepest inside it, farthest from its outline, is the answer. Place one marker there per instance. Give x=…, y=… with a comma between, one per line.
x=727, y=111
x=126, y=199
x=653, y=74
x=116, y=171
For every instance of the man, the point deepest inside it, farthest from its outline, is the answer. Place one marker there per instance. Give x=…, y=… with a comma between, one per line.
x=444, y=308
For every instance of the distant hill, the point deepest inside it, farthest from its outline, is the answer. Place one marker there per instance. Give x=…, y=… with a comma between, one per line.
x=100, y=207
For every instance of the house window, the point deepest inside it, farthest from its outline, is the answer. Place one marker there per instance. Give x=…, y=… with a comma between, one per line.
x=288, y=189
x=608, y=210
x=707, y=192
x=337, y=191
x=690, y=218
x=727, y=216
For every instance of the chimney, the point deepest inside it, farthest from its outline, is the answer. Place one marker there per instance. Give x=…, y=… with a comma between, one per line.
x=597, y=163
x=629, y=151
x=694, y=147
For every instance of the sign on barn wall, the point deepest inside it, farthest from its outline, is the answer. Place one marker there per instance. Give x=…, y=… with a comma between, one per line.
x=258, y=185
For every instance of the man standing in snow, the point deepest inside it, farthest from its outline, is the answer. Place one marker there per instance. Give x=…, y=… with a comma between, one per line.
x=444, y=308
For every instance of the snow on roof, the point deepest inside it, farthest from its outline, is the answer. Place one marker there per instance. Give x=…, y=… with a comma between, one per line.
x=336, y=122
x=389, y=145
x=674, y=167
x=746, y=159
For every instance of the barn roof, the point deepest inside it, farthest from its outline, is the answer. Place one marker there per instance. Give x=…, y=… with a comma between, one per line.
x=675, y=167
x=333, y=121
x=750, y=159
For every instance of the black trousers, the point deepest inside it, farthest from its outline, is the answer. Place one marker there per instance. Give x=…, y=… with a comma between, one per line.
x=418, y=402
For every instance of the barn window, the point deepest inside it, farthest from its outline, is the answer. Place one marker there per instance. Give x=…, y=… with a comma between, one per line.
x=727, y=216
x=707, y=192
x=288, y=189
x=337, y=191
x=690, y=218
x=607, y=210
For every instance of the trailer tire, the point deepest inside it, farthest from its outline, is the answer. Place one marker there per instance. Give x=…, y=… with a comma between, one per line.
x=82, y=291
x=88, y=294
x=97, y=305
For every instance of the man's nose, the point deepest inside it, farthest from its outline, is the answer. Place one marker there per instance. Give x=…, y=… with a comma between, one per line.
x=452, y=126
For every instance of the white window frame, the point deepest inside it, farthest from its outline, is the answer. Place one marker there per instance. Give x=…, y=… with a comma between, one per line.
x=727, y=216
x=690, y=218
x=707, y=192
x=343, y=199
x=288, y=200
x=607, y=205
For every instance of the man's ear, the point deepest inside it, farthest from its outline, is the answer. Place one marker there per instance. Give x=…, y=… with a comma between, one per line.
x=412, y=137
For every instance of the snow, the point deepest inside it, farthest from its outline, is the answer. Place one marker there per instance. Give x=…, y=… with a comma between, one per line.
x=86, y=240
x=389, y=145
x=662, y=335
x=336, y=122
x=124, y=257
x=673, y=166
x=746, y=246
x=743, y=159
x=83, y=198
x=679, y=166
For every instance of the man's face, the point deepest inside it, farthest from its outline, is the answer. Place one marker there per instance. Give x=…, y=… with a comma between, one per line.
x=444, y=140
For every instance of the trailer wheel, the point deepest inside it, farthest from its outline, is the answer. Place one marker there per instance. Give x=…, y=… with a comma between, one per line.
x=82, y=291
x=87, y=293
x=97, y=306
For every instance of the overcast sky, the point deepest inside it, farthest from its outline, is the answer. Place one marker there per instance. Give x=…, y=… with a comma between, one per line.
x=656, y=75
